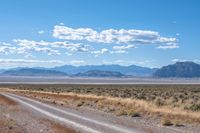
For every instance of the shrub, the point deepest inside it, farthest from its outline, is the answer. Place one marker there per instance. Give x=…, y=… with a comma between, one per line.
x=178, y=124
x=132, y=113
x=121, y=113
x=167, y=122
x=80, y=103
x=195, y=107
x=159, y=102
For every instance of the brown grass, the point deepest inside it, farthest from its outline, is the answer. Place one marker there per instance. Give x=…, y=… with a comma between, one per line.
x=118, y=106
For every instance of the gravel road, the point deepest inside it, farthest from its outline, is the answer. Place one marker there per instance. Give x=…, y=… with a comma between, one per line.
x=86, y=121
x=72, y=119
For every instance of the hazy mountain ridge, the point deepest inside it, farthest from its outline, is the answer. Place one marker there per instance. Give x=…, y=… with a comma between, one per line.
x=179, y=70
x=32, y=72
x=126, y=70
x=98, y=73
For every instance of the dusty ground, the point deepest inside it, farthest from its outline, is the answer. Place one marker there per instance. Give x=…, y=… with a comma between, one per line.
x=15, y=119
x=121, y=108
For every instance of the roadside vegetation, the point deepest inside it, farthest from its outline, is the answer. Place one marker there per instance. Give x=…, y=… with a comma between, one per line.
x=170, y=104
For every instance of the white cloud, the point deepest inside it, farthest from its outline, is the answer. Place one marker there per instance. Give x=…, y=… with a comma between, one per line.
x=24, y=42
x=26, y=47
x=164, y=47
x=50, y=47
x=118, y=52
x=4, y=44
x=123, y=47
x=177, y=60
x=121, y=36
x=100, y=52
x=47, y=50
x=183, y=60
x=41, y=32
x=7, y=49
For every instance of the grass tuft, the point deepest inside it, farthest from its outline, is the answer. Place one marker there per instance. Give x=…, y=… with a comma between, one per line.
x=167, y=122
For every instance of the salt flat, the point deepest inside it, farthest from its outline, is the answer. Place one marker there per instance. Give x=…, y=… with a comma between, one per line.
x=85, y=80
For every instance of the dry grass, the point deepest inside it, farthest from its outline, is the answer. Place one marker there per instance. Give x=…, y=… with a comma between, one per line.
x=186, y=97
x=178, y=102
x=118, y=106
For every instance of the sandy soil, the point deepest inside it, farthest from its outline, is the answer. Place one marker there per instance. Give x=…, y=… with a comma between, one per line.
x=15, y=119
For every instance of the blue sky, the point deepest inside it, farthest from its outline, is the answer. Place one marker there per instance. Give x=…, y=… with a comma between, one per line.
x=56, y=32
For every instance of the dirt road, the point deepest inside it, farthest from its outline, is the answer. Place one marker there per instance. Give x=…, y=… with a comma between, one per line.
x=86, y=122
x=72, y=119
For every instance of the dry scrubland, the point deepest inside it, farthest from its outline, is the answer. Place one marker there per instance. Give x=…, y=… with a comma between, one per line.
x=170, y=104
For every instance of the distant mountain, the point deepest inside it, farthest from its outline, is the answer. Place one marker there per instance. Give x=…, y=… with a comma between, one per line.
x=98, y=73
x=180, y=69
x=32, y=72
x=126, y=70
x=2, y=70
x=93, y=70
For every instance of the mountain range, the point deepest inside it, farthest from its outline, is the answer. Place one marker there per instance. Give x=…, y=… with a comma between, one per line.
x=126, y=70
x=98, y=73
x=179, y=70
x=32, y=72
x=82, y=71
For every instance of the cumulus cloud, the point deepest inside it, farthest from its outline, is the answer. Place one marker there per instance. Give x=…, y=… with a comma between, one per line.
x=23, y=46
x=121, y=36
x=100, y=52
x=26, y=47
x=123, y=47
x=116, y=50
x=75, y=40
x=58, y=44
x=7, y=49
x=47, y=50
